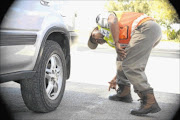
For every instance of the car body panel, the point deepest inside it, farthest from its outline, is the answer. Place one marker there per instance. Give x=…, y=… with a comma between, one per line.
x=33, y=21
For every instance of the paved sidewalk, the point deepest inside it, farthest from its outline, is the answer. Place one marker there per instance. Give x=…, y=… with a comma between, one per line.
x=168, y=45
x=163, y=45
x=163, y=49
x=167, y=49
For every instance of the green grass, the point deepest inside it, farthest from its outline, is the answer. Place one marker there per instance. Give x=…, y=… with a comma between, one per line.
x=175, y=40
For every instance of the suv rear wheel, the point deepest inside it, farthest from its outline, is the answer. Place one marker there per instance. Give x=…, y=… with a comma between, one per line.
x=44, y=92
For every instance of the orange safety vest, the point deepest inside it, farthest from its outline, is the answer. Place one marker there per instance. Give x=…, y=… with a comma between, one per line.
x=128, y=21
x=127, y=24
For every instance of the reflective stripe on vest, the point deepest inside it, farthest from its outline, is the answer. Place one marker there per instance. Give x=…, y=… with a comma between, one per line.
x=136, y=22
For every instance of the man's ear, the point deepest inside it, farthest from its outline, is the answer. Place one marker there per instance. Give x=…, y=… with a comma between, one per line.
x=95, y=29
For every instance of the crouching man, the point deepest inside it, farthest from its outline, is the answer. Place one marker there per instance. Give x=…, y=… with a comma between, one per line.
x=133, y=35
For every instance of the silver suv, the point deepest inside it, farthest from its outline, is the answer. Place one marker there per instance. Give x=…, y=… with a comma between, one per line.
x=35, y=50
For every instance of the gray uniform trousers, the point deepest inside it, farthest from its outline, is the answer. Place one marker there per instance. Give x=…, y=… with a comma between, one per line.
x=132, y=69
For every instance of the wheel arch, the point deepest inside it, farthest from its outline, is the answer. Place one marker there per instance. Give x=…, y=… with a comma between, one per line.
x=62, y=37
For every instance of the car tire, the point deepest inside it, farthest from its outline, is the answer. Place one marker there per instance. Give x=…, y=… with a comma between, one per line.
x=44, y=92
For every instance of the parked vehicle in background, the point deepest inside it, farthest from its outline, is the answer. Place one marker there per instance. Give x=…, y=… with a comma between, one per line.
x=35, y=51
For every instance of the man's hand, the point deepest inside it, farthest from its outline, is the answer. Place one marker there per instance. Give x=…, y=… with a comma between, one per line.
x=121, y=52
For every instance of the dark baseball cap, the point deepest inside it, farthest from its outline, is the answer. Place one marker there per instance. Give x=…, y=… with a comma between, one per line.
x=90, y=43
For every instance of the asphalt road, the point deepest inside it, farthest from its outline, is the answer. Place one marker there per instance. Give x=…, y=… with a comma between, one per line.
x=86, y=94
x=99, y=66
x=88, y=101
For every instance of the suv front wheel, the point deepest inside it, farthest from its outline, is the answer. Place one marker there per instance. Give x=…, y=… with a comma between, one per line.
x=44, y=92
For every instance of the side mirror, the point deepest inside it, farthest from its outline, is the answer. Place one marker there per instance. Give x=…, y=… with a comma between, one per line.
x=45, y=2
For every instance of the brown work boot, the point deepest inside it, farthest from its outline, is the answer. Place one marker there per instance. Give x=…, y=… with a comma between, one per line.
x=148, y=104
x=123, y=94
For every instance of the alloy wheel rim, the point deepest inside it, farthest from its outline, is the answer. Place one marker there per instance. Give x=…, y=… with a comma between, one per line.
x=53, y=77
